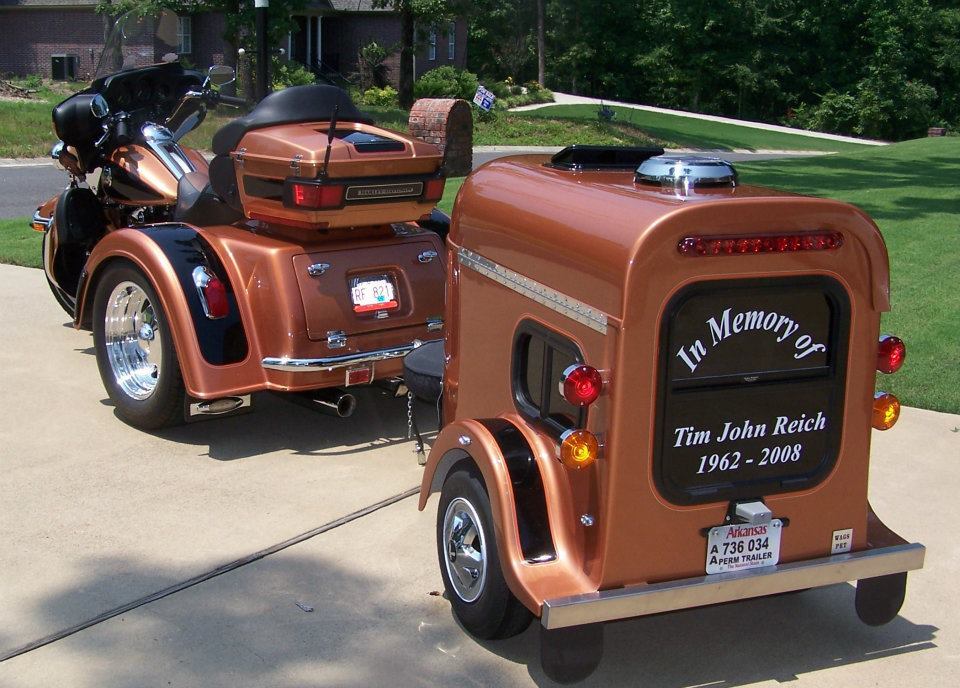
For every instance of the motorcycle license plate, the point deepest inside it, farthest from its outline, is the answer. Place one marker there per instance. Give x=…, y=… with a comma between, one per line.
x=743, y=546
x=373, y=294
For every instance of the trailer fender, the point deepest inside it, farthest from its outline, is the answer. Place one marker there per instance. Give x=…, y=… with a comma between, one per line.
x=167, y=255
x=505, y=460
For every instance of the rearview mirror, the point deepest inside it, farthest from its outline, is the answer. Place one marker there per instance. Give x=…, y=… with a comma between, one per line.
x=221, y=75
x=99, y=107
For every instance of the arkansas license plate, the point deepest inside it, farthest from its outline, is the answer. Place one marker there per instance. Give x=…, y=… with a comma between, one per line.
x=743, y=546
x=373, y=294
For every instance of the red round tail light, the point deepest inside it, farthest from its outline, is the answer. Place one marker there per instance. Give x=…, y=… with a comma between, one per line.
x=581, y=384
x=891, y=354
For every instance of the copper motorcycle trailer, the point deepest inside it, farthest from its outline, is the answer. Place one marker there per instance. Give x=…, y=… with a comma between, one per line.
x=658, y=389
x=291, y=262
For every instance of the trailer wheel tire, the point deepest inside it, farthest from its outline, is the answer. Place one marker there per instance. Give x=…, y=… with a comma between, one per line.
x=135, y=353
x=470, y=563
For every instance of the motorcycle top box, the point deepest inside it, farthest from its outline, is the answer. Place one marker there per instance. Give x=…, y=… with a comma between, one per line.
x=292, y=262
x=659, y=389
x=336, y=170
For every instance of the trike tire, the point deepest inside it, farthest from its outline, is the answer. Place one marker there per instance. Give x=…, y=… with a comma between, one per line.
x=143, y=381
x=490, y=611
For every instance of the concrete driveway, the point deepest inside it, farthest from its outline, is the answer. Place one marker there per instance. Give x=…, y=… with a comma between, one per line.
x=94, y=514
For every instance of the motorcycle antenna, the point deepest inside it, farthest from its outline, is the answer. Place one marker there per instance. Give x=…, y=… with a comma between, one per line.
x=330, y=132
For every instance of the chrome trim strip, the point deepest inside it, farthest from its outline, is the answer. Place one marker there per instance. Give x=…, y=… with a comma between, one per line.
x=541, y=293
x=309, y=365
x=39, y=219
x=641, y=600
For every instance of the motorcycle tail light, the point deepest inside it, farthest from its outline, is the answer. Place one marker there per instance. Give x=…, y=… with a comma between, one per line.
x=891, y=354
x=213, y=293
x=578, y=448
x=581, y=384
x=433, y=189
x=759, y=243
x=315, y=196
x=886, y=410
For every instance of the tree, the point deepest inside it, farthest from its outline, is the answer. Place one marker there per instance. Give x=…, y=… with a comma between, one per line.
x=426, y=13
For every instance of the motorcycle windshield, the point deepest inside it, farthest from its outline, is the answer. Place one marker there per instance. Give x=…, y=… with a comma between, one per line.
x=137, y=40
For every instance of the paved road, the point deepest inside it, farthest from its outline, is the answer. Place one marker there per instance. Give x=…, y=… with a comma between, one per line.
x=22, y=189
x=25, y=187
x=95, y=514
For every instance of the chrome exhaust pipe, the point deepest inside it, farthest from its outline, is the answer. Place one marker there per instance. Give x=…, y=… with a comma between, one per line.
x=334, y=402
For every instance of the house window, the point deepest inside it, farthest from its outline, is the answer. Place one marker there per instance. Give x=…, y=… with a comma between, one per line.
x=184, y=35
x=451, y=40
x=432, y=48
x=539, y=359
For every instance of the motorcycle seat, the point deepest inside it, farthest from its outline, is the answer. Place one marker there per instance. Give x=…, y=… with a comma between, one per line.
x=311, y=103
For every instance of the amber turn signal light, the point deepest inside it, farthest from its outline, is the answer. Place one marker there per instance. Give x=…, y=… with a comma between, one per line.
x=886, y=410
x=578, y=448
x=891, y=353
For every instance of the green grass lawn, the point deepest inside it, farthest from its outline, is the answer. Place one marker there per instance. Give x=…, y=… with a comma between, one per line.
x=19, y=244
x=912, y=191
x=672, y=131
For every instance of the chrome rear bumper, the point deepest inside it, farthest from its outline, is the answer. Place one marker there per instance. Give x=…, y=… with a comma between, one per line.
x=641, y=600
x=308, y=365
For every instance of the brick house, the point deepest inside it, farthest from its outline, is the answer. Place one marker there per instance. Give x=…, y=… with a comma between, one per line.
x=63, y=38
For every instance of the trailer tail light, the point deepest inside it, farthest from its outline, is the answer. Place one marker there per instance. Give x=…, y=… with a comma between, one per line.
x=886, y=410
x=433, y=189
x=578, y=448
x=891, y=354
x=213, y=293
x=315, y=196
x=581, y=384
x=759, y=243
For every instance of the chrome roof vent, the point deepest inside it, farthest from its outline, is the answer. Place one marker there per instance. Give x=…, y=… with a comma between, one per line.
x=686, y=172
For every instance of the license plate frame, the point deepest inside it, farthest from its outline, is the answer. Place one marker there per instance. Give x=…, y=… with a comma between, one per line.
x=742, y=546
x=371, y=293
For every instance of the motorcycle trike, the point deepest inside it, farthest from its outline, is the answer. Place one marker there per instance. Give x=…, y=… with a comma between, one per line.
x=291, y=261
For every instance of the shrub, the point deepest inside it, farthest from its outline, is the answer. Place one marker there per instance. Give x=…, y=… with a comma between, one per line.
x=446, y=82
x=290, y=73
x=380, y=97
x=32, y=81
x=372, y=64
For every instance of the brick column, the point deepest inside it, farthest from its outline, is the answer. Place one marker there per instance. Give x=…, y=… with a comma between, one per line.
x=448, y=124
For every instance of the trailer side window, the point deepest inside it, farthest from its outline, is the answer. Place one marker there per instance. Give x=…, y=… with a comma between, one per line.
x=539, y=358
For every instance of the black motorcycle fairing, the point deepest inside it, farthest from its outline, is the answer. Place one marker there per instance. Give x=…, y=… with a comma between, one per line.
x=312, y=103
x=77, y=126
x=79, y=224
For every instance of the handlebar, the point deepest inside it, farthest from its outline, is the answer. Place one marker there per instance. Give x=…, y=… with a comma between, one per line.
x=122, y=132
x=231, y=101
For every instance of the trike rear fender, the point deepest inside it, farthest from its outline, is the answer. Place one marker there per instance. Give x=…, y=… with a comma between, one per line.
x=167, y=255
x=534, y=554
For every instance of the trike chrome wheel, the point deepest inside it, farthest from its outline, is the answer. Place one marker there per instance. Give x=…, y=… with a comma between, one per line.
x=466, y=561
x=135, y=352
x=131, y=334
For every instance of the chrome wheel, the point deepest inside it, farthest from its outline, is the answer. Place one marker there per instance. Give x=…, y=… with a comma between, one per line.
x=464, y=542
x=133, y=343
